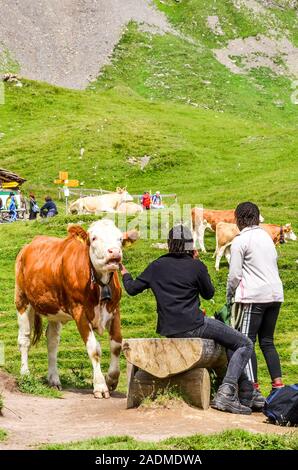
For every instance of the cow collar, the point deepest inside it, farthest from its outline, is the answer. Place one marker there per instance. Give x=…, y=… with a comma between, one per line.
x=105, y=289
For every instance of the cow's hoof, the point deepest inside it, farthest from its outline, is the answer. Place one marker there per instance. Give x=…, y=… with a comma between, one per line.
x=111, y=382
x=101, y=395
x=54, y=382
x=57, y=387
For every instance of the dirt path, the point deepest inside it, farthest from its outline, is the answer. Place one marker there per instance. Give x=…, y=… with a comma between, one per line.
x=79, y=416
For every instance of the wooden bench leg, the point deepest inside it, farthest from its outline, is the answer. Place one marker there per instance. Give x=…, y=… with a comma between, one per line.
x=193, y=385
x=130, y=371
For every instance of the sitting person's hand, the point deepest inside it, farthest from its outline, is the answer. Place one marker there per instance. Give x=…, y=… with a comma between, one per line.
x=123, y=269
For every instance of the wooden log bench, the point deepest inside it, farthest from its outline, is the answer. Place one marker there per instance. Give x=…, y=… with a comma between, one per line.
x=155, y=365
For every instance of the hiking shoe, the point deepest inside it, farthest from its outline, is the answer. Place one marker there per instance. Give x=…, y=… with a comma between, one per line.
x=277, y=384
x=254, y=400
x=227, y=399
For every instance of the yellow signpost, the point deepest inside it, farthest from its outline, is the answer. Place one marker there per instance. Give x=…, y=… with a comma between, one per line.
x=63, y=175
x=63, y=180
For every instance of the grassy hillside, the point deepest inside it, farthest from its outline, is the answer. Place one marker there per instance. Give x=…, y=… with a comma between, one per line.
x=183, y=68
x=45, y=128
x=214, y=138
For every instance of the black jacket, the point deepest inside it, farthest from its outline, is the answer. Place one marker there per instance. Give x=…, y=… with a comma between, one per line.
x=176, y=280
x=49, y=206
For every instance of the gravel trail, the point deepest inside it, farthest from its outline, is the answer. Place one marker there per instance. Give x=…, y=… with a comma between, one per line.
x=67, y=42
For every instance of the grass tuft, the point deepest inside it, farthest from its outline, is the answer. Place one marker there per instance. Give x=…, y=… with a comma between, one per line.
x=3, y=435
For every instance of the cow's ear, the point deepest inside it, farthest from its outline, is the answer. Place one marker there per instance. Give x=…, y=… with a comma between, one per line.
x=131, y=236
x=76, y=231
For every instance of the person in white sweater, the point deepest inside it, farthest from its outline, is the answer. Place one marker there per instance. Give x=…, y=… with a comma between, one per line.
x=254, y=284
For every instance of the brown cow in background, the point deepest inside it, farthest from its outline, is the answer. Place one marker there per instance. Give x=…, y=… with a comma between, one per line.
x=203, y=219
x=225, y=234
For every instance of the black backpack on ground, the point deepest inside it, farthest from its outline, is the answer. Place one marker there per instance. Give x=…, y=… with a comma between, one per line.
x=281, y=406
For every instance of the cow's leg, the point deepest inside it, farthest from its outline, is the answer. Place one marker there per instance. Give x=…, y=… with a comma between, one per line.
x=228, y=253
x=53, y=339
x=216, y=246
x=194, y=236
x=25, y=321
x=219, y=255
x=112, y=377
x=100, y=388
x=201, y=234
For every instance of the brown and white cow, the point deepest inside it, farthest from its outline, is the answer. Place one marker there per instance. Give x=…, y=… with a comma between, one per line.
x=74, y=278
x=225, y=234
x=203, y=219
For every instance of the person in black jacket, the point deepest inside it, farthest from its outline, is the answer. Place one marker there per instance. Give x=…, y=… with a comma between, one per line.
x=177, y=279
x=49, y=209
x=33, y=209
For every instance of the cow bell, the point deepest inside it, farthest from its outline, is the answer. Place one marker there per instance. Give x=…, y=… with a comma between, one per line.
x=106, y=293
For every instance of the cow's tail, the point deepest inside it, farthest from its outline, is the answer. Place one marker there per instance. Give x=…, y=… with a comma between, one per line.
x=37, y=329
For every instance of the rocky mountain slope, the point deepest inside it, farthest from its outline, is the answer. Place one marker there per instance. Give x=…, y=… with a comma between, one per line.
x=66, y=42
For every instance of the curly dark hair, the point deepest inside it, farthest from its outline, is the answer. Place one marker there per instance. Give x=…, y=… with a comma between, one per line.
x=247, y=214
x=180, y=240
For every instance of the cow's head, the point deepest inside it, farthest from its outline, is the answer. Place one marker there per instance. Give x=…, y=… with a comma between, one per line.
x=288, y=233
x=105, y=245
x=124, y=195
x=106, y=241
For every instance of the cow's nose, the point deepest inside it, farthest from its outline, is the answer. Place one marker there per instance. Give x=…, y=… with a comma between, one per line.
x=115, y=252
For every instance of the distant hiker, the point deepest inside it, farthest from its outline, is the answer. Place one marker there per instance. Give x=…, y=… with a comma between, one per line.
x=146, y=200
x=49, y=209
x=12, y=208
x=157, y=201
x=34, y=209
x=255, y=284
x=177, y=279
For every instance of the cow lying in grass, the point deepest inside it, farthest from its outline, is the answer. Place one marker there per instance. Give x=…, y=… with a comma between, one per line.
x=104, y=203
x=74, y=278
x=225, y=234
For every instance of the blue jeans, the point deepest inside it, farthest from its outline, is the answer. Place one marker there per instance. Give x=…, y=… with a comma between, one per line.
x=239, y=347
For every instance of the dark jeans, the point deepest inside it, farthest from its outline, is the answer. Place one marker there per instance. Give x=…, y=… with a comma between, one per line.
x=239, y=346
x=259, y=320
x=32, y=215
x=50, y=213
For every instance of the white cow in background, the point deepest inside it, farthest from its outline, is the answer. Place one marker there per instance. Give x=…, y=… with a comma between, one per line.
x=129, y=208
x=105, y=203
